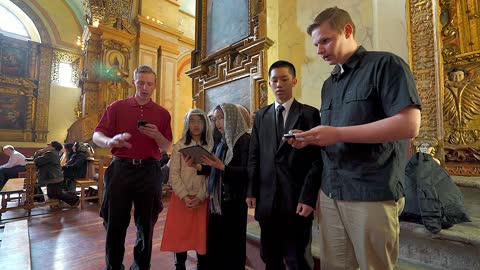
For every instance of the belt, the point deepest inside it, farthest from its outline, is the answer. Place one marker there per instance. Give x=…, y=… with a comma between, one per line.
x=134, y=161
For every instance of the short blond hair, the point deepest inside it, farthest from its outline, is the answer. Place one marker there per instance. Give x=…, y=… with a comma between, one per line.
x=144, y=69
x=336, y=17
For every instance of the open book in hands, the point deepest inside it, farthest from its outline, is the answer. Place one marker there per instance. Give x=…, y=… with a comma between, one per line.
x=196, y=152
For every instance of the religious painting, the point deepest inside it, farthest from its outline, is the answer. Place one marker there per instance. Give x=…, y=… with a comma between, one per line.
x=115, y=66
x=227, y=23
x=12, y=111
x=13, y=61
x=237, y=91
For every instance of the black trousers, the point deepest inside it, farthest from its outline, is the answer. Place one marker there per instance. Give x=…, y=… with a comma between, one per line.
x=7, y=173
x=56, y=191
x=126, y=184
x=227, y=237
x=286, y=240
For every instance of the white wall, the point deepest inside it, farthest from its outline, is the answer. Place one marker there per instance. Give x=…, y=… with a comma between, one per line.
x=61, y=113
x=380, y=25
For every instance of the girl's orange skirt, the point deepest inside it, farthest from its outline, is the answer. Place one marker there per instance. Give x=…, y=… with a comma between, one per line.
x=185, y=228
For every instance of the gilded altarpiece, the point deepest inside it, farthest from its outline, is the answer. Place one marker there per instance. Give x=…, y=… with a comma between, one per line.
x=444, y=45
x=24, y=90
x=108, y=41
x=229, y=60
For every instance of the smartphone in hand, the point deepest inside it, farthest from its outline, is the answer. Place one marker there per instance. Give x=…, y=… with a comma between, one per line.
x=141, y=123
x=289, y=136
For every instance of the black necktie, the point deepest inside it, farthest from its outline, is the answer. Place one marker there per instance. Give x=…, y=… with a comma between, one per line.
x=280, y=109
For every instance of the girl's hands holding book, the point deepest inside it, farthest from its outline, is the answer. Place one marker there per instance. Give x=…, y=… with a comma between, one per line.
x=216, y=163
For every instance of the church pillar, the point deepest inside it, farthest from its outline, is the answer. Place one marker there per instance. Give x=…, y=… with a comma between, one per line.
x=425, y=62
x=43, y=94
x=92, y=60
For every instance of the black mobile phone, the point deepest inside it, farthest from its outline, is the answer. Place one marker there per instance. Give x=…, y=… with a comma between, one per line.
x=289, y=135
x=141, y=123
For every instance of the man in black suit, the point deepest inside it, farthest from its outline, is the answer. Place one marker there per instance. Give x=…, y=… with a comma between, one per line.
x=283, y=201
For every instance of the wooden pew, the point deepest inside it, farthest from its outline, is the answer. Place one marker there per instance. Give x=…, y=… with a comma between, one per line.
x=15, y=249
x=14, y=186
x=85, y=183
x=30, y=182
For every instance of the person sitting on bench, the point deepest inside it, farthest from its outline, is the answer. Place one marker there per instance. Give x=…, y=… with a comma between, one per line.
x=50, y=173
x=16, y=163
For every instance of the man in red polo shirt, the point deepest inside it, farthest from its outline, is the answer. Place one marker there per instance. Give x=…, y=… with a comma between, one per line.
x=137, y=130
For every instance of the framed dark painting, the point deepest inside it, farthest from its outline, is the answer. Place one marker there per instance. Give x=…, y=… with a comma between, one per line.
x=227, y=23
x=237, y=91
x=12, y=111
x=14, y=61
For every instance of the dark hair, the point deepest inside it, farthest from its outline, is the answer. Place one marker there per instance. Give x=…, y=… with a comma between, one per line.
x=203, y=137
x=143, y=69
x=336, y=17
x=457, y=69
x=68, y=147
x=78, y=147
x=58, y=146
x=281, y=64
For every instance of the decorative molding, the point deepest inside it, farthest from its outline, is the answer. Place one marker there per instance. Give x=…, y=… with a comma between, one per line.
x=244, y=58
x=187, y=41
x=121, y=36
x=154, y=42
x=144, y=22
x=462, y=169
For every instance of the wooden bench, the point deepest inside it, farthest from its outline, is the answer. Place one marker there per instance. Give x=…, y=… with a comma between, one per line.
x=14, y=186
x=85, y=183
x=15, y=249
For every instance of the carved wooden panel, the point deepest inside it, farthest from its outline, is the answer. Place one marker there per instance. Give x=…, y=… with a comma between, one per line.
x=24, y=90
x=448, y=83
x=423, y=42
x=240, y=60
x=460, y=22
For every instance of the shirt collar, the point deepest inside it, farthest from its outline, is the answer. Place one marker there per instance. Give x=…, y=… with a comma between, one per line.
x=350, y=63
x=133, y=102
x=285, y=105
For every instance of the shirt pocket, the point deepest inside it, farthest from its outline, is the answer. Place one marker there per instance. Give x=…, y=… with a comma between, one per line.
x=360, y=106
x=326, y=112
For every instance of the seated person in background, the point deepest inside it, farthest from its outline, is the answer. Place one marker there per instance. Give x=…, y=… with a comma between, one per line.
x=50, y=173
x=76, y=166
x=16, y=163
x=67, y=152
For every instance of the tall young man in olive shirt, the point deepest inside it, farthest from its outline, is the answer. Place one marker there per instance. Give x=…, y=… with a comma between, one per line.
x=370, y=107
x=134, y=176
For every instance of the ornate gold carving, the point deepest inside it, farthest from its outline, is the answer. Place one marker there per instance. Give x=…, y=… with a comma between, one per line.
x=61, y=56
x=82, y=128
x=111, y=13
x=423, y=41
x=16, y=81
x=461, y=103
x=43, y=98
x=461, y=106
x=462, y=155
x=449, y=29
x=462, y=169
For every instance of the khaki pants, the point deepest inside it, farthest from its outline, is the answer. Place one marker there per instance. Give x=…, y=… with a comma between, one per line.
x=355, y=233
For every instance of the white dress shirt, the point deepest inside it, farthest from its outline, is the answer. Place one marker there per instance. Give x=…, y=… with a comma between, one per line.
x=285, y=105
x=16, y=159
